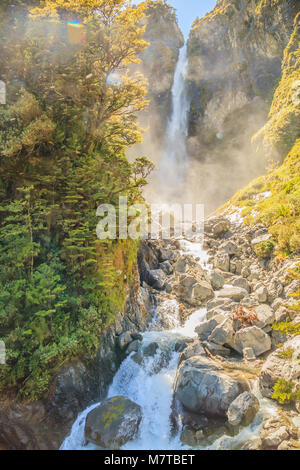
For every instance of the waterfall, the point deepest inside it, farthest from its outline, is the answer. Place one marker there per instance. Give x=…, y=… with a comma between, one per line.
x=173, y=165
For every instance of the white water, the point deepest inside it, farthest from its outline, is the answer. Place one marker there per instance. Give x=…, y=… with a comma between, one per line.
x=151, y=385
x=174, y=164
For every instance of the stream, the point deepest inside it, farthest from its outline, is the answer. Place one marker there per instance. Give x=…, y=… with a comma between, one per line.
x=151, y=385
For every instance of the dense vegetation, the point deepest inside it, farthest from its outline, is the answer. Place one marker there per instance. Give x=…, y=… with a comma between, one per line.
x=63, y=136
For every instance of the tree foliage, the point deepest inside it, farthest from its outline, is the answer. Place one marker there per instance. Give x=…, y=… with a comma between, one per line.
x=63, y=136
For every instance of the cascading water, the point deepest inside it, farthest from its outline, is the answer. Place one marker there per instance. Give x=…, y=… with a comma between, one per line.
x=150, y=383
x=174, y=164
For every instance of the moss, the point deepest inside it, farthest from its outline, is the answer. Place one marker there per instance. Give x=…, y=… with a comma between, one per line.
x=264, y=249
x=284, y=392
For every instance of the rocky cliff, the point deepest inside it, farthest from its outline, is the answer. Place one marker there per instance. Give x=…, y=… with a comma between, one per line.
x=160, y=58
x=235, y=55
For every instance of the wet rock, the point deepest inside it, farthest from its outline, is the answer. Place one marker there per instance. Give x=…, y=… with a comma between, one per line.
x=243, y=409
x=193, y=349
x=125, y=339
x=156, y=279
x=252, y=337
x=166, y=267
x=113, y=423
x=233, y=293
x=201, y=386
x=133, y=347
x=188, y=438
x=150, y=349
x=217, y=279
x=277, y=366
x=182, y=344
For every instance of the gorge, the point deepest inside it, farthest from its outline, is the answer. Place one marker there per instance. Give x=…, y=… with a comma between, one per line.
x=152, y=344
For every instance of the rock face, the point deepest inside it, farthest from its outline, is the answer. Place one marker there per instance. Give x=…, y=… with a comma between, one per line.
x=278, y=366
x=113, y=423
x=235, y=55
x=243, y=409
x=202, y=387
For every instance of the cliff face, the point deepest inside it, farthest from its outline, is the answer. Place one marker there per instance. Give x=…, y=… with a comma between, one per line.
x=235, y=54
x=160, y=58
x=273, y=199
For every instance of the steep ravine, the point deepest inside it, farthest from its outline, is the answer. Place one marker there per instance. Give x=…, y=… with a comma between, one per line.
x=202, y=374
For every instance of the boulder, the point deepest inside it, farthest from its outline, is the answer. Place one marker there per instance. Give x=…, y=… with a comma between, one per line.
x=125, y=339
x=261, y=294
x=156, y=279
x=201, y=386
x=166, y=254
x=230, y=248
x=193, y=349
x=202, y=291
x=113, y=423
x=207, y=327
x=150, y=349
x=273, y=439
x=243, y=409
x=248, y=354
x=166, y=267
x=216, y=279
x=216, y=349
x=277, y=366
x=241, y=282
x=221, y=227
x=223, y=333
x=265, y=315
x=233, y=293
x=252, y=337
x=222, y=261
x=133, y=347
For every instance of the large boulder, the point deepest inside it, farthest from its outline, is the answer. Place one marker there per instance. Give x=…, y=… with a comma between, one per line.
x=252, y=337
x=113, y=423
x=241, y=282
x=205, y=328
x=280, y=366
x=222, y=226
x=243, y=409
x=217, y=279
x=233, y=293
x=265, y=315
x=203, y=387
x=156, y=279
x=223, y=333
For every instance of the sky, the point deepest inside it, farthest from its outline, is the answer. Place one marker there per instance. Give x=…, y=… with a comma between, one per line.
x=188, y=10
